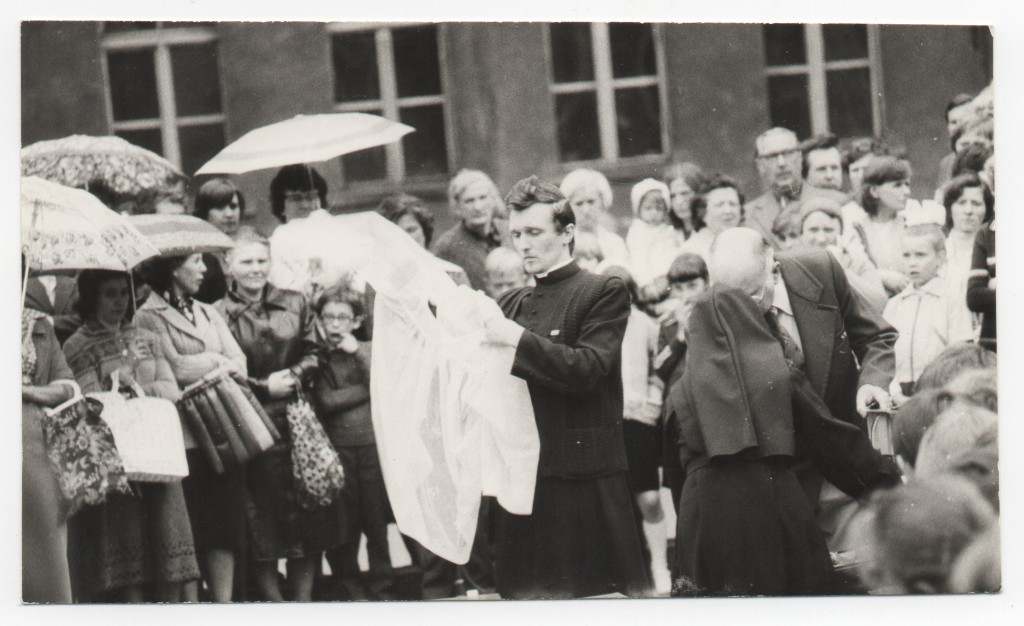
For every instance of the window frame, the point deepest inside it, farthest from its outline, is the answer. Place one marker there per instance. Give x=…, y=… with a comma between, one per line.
x=816, y=69
x=160, y=41
x=604, y=86
x=390, y=104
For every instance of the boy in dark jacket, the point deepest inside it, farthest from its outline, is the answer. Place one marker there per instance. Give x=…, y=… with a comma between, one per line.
x=342, y=395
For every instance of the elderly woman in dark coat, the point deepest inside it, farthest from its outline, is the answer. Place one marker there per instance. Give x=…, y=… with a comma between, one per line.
x=271, y=325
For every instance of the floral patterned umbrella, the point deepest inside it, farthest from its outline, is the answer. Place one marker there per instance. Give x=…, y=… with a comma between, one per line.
x=79, y=160
x=70, y=229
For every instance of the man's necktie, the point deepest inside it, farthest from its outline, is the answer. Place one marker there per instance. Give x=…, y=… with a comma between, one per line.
x=794, y=355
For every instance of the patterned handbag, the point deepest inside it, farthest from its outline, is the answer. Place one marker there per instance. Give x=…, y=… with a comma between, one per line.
x=82, y=451
x=318, y=474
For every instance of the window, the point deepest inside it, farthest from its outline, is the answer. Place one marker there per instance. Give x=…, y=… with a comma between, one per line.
x=824, y=78
x=163, y=89
x=606, y=83
x=395, y=72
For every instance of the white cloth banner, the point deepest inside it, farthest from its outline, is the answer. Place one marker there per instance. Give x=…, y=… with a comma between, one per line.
x=450, y=420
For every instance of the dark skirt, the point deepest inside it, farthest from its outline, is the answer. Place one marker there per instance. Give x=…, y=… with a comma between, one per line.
x=581, y=540
x=132, y=540
x=216, y=505
x=643, y=454
x=746, y=528
x=278, y=527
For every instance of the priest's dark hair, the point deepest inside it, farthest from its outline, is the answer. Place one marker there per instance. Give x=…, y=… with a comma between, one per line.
x=530, y=191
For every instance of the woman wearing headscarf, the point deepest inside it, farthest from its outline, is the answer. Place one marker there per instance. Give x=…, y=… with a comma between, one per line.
x=744, y=409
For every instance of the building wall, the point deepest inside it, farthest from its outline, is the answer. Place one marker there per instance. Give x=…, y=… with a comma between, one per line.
x=922, y=68
x=62, y=90
x=719, y=97
x=500, y=110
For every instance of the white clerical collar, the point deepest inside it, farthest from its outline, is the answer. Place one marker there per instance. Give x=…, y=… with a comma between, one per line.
x=554, y=267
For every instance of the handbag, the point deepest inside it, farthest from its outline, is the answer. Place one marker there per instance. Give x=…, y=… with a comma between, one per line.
x=319, y=477
x=147, y=432
x=83, y=454
x=226, y=419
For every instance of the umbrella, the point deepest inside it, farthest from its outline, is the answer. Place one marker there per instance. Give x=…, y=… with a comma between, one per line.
x=70, y=229
x=178, y=235
x=79, y=160
x=305, y=139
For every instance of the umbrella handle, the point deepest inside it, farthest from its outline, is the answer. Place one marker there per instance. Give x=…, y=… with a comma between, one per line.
x=28, y=261
x=24, y=286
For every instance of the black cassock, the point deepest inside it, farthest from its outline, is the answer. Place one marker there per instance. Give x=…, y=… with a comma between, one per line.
x=582, y=537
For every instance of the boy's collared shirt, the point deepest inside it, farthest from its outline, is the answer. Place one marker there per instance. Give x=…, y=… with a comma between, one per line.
x=926, y=319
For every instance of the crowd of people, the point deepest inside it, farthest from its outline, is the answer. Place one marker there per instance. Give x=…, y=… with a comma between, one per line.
x=753, y=357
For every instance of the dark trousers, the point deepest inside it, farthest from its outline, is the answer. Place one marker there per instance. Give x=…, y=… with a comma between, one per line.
x=439, y=575
x=366, y=505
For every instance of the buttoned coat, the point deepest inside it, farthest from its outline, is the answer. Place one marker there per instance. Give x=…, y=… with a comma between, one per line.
x=193, y=350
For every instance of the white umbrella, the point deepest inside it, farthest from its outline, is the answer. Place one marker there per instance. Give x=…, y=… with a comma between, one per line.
x=70, y=229
x=305, y=139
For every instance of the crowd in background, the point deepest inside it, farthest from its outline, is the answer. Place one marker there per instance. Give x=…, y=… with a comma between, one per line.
x=926, y=265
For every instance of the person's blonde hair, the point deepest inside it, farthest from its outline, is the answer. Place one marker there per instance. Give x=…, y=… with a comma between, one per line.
x=583, y=179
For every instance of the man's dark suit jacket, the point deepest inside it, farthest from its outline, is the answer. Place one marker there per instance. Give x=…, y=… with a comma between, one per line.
x=65, y=319
x=838, y=331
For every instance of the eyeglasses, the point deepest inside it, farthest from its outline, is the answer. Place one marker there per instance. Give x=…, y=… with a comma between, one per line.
x=298, y=196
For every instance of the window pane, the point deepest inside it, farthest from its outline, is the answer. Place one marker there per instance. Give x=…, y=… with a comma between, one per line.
x=787, y=99
x=196, y=86
x=417, y=67
x=425, y=150
x=370, y=164
x=845, y=41
x=784, y=44
x=576, y=116
x=632, y=50
x=199, y=144
x=123, y=27
x=150, y=139
x=355, y=67
x=572, y=58
x=849, y=102
x=133, y=85
x=638, y=116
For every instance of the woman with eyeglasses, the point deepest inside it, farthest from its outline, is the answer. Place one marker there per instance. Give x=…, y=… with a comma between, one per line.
x=272, y=326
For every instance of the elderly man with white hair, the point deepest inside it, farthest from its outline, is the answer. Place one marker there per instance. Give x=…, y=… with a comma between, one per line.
x=846, y=347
